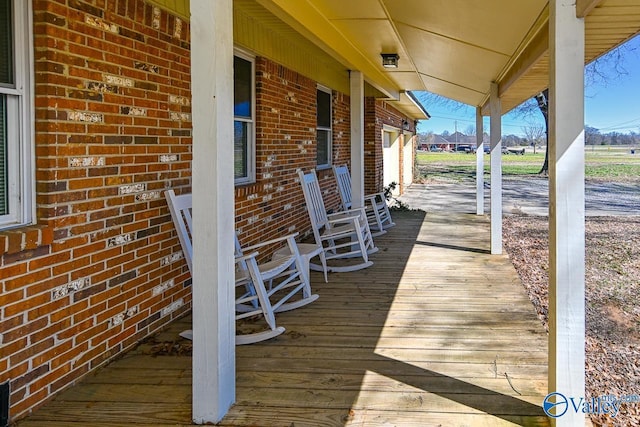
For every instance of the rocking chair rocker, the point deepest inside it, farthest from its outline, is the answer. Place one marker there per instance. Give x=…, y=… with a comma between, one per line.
x=342, y=235
x=376, y=207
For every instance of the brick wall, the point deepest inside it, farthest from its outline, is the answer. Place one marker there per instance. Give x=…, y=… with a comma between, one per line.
x=377, y=114
x=285, y=142
x=102, y=268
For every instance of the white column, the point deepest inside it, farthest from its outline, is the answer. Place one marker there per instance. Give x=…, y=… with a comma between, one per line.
x=496, y=170
x=479, y=163
x=566, y=207
x=357, y=138
x=213, y=209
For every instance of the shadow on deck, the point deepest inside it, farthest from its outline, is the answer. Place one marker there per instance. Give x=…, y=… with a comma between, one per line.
x=436, y=332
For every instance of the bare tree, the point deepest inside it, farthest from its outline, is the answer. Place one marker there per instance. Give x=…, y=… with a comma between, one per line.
x=431, y=99
x=543, y=104
x=470, y=130
x=535, y=134
x=592, y=136
x=603, y=70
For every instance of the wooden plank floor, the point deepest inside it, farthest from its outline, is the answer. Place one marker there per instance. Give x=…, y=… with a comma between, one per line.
x=436, y=332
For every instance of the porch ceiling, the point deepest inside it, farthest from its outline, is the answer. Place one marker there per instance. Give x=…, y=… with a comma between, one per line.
x=454, y=48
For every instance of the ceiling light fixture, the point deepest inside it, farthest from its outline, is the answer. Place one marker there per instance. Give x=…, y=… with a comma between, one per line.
x=390, y=60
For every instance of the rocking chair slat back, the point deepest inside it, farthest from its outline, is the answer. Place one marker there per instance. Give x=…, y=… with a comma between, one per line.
x=340, y=236
x=378, y=213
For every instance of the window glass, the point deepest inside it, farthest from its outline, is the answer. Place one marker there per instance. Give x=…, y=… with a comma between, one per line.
x=6, y=43
x=240, y=149
x=4, y=200
x=323, y=147
x=242, y=87
x=243, y=114
x=324, y=109
x=323, y=128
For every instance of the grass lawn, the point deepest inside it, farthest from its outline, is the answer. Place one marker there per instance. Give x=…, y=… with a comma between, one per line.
x=600, y=163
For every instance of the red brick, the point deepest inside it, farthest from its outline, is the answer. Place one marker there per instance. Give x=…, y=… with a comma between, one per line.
x=56, y=258
x=65, y=358
x=90, y=355
x=69, y=311
x=79, y=331
x=30, y=351
x=20, y=406
x=26, y=304
x=8, y=298
x=14, y=371
x=74, y=264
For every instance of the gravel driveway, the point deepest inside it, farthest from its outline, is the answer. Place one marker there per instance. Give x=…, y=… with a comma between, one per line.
x=527, y=195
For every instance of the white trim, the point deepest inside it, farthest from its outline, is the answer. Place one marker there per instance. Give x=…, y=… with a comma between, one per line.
x=495, y=131
x=329, y=129
x=407, y=167
x=391, y=158
x=324, y=88
x=356, y=84
x=20, y=109
x=251, y=149
x=479, y=162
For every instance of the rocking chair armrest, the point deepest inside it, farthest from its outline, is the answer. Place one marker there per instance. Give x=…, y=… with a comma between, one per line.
x=344, y=219
x=269, y=242
x=374, y=196
x=247, y=256
x=346, y=214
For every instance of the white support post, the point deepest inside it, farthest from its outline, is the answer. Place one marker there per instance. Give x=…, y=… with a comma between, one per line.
x=496, y=170
x=566, y=207
x=357, y=138
x=479, y=163
x=213, y=210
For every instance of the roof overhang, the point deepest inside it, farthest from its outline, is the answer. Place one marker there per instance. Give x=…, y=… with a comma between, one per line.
x=454, y=48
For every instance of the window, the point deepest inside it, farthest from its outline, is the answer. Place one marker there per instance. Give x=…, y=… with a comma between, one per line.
x=243, y=119
x=15, y=125
x=323, y=127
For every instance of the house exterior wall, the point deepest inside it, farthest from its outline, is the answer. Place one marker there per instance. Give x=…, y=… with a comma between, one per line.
x=378, y=114
x=285, y=142
x=102, y=268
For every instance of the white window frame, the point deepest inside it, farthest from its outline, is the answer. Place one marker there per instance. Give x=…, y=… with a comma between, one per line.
x=20, y=145
x=251, y=149
x=329, y=129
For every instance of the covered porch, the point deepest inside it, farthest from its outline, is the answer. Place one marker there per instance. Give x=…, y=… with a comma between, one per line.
x=437, y=331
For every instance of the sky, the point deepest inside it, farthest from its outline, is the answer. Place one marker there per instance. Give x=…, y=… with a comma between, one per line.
x=611, y=105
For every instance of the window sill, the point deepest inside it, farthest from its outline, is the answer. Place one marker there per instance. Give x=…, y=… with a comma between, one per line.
x=26, y=238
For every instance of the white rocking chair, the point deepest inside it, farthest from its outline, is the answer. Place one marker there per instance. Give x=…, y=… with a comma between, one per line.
x=376, y=207
x=282, y=273
x=342, y=235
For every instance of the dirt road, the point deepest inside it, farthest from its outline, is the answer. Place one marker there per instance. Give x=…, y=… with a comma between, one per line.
x=527, y=195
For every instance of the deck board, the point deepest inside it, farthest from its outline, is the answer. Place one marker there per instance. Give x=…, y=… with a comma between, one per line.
x=436, y=332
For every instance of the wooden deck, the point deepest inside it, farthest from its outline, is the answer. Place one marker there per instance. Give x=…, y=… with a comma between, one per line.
x=437, y=332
